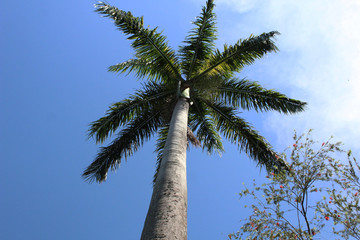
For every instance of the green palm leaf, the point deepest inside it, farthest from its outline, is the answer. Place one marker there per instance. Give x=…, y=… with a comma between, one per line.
x=128, y=141
x=250, y=95
x=234, y=58
x=201, y=122
x=147, y=43
x=119, y=114
x=199, y=42
x=143, y=68
x=238, y=131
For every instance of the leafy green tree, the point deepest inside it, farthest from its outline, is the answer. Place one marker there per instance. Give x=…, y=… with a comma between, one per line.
x=290, y=205
x=188, y=96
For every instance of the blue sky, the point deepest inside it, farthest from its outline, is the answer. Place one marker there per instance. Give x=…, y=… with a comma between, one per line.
x=54, y=82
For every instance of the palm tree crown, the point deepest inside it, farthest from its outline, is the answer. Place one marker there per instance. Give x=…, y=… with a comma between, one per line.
x=199, y=72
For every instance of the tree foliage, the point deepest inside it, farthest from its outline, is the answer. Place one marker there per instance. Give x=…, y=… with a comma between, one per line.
x=319, y=190
x=208, y=74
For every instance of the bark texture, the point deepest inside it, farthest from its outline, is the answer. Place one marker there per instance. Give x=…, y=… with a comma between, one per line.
x=167, y=214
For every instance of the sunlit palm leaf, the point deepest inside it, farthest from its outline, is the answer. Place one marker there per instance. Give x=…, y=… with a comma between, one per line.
x=199, y=42
x=147, y=43
x=234, y=58
x=250, y=95
x=143, y=68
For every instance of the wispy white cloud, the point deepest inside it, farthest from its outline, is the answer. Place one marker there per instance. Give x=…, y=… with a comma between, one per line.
x=240, y=5
x=318, y=63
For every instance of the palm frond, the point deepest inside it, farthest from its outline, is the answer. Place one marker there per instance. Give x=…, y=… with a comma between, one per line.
x=200, y=41
x=208, y=87
x=147, y=43
x=143, y=68
x=201, y=122
x=250, y=95
x=234, y=58
x=238, y=131
x=128, y=141
x=120, y=113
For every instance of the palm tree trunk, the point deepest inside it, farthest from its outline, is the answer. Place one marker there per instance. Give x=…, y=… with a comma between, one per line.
x=167, y=214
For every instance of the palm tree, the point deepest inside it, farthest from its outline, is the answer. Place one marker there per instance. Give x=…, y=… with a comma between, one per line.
x=189, y=96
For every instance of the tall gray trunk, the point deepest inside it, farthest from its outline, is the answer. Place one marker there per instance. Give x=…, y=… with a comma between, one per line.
x=167, y=215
